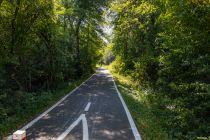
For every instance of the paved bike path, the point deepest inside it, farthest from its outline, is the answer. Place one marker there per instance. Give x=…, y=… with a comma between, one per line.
x=93, y=111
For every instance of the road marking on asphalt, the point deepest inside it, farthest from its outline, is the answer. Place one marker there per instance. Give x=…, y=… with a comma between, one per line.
x=51, y=108
x=85, y=128
x=87, y=106
x=82, y=118
x=130, y=119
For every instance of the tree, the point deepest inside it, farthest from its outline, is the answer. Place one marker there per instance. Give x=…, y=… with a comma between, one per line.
x=164, y=45
x=44, y=44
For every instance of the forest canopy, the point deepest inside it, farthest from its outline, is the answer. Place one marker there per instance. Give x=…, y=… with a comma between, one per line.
x=44, y=43
x=164, y=45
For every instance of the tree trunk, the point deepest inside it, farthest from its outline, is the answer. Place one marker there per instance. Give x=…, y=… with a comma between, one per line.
x=47, y=40
x=64, y=21
x=13, y=27
x=126, y=48
x=77, y=34
x=78, y=39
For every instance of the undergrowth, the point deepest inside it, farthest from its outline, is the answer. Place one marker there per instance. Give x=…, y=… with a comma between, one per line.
x=24, y=106
x=148, y=118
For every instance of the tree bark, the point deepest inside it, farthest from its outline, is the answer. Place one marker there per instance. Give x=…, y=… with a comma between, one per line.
x=126, y=48
x=13, y=26
x=78, y=38
x=77, y=34
x=47, y=40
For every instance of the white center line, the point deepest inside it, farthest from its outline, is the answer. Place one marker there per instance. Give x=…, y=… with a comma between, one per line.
x=73, y=125
x=87, y=106
x=55, y=105
x=82, y=118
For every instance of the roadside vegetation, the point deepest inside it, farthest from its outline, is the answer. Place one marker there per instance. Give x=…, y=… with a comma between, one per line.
x=25, y=106
x=163, y=46
x=44, y=44
x=160, y=51
x=143, y=108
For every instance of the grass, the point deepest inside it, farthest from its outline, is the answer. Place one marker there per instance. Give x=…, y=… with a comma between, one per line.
x=33, y=104
x=142, y=111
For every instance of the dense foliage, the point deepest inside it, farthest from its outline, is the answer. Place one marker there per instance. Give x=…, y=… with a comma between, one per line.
x=44, y=43
x=165, y=46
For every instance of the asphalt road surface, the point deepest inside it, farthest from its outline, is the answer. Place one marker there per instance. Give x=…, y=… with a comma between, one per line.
x=93, y=111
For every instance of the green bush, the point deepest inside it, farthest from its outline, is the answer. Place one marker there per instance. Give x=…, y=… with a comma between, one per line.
x=164, y=46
